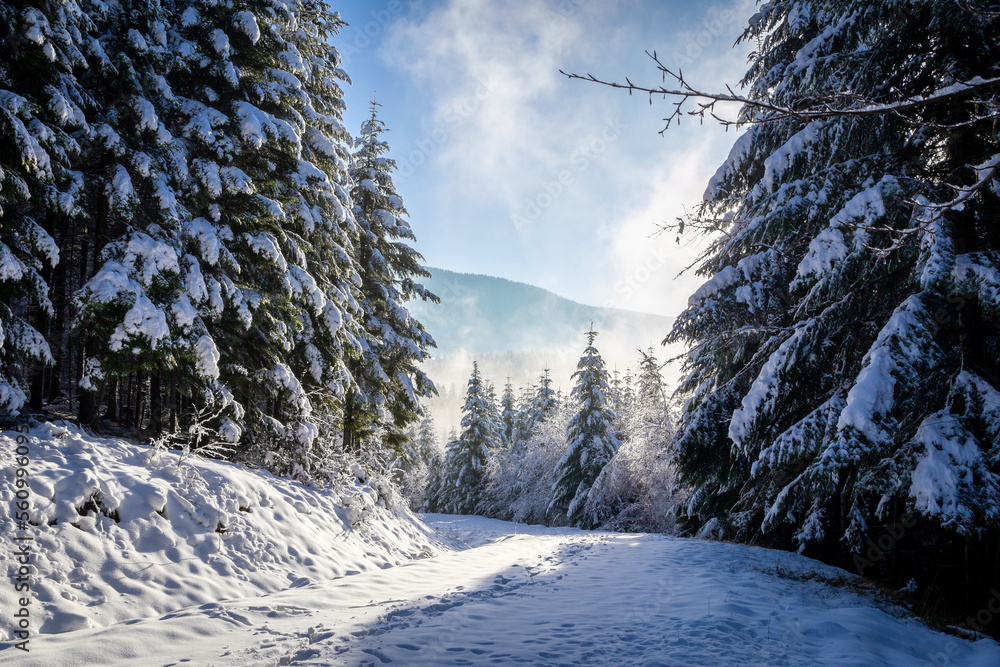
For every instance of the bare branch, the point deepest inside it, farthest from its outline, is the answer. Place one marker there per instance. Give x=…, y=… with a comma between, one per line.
x=842, y=105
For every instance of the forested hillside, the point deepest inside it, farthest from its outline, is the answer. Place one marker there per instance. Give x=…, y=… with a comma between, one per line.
x=487, y=315
x=194, y=247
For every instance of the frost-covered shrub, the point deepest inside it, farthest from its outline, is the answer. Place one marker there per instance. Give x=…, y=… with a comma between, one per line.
x=520, y=479
x=635, y=491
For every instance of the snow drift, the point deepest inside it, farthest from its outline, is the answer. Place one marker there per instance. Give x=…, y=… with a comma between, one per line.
x=124, y=531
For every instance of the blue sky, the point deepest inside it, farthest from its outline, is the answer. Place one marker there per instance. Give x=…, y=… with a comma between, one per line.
x=509, y=169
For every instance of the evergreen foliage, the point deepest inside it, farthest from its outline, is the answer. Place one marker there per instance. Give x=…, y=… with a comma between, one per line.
x=188, y=246
x=466, y=464
x=508, y=415
x=40, y=46
x=843, y=368
x=592, y=438
x=388, y=382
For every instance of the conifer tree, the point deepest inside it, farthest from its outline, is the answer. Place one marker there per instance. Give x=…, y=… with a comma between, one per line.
x=592, y=438
x=417, y=461
x=496, y=423
x=388, y=382
x=525, y=409
x=545, y=402
x=436, y=493
x=139, y=311
x=508, y=415
x=650, y=388
x=258, y=106
x=467, y=460
x=40, y=114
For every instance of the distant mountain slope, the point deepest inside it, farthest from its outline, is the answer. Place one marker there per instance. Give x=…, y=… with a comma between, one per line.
x=515, y=331
x=483, y=314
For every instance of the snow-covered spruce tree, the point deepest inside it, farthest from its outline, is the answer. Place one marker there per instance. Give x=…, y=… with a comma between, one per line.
x=40, y=99
x=496, y=423
x=508, y=414
x=466, y=464
x=545, y=402
x=435, y=493
x=138, y=314
x=844, y=374
x=592, y=438
x=419, y=456
x=258, y=107
x=524, y=422
x=621, y=393
x=388, y=382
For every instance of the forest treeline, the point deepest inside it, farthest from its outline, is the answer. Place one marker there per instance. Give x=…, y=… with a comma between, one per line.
x=192, y=245
x=596, y=457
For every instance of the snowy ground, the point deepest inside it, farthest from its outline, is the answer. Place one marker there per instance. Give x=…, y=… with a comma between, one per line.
x=120, y=532
x=544, y=596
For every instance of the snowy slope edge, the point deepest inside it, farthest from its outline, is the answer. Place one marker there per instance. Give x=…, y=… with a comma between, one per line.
x=122, y=531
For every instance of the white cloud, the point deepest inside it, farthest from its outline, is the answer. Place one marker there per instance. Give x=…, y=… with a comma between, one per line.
x=500, y=127
x=491, y=68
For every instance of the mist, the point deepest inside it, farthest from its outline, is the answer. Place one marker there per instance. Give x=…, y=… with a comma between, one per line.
x=515, y=331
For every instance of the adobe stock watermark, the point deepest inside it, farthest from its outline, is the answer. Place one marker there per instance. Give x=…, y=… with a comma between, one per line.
x=363, y=36
x=720, y=22
x=633, y=282
x=20, y=568
x=422, y=149
x=564, y=9
x=580, y=161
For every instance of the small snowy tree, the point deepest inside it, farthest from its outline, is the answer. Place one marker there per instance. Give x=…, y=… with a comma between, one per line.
x=508, y=414
x=524, y=422
x=418, y=459
x=545, y=402
x=591, y=435
x=466, y=466
x=635, y=491
x=436, y=497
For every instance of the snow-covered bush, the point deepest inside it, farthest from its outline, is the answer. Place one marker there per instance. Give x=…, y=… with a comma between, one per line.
x=635, y=491
x=519, y=479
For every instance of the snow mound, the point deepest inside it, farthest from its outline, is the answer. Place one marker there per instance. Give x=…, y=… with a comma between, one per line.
x=123, y=531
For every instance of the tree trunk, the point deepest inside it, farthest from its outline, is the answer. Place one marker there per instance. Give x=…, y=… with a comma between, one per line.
x=348, y=427
x=90, y=399
x=155, y=404
x=140, y=383
x=57, y=330
x=112, y=412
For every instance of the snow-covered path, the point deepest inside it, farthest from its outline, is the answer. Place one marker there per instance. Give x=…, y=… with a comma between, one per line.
x=541, y=596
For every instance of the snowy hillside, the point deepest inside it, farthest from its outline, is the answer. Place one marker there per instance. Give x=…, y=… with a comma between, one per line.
x=483, y=314
x=515, y=331
x=523, y=594
x=122, y=531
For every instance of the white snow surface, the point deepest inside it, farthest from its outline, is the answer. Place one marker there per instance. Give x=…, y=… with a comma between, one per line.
x=164, y=552
x=514, y=594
